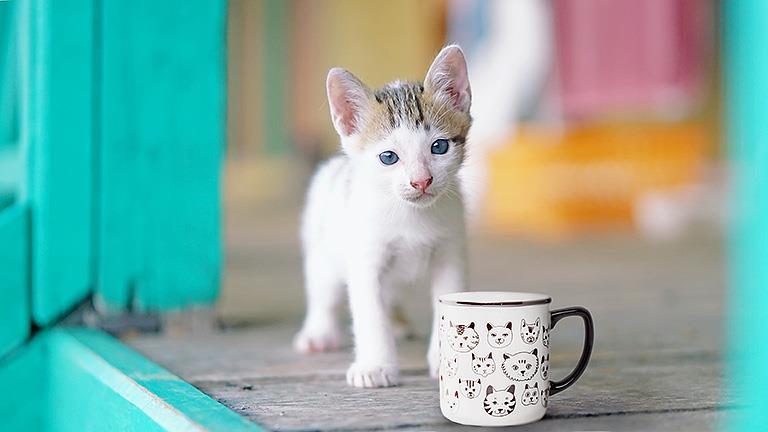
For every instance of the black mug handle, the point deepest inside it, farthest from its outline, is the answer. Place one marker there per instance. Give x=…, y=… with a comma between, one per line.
x=556, y=387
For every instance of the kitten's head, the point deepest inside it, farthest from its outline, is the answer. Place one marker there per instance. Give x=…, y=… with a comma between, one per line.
x=521, y=366
x=530, y=331
x=462, y=338
x=499, y=403
x=531, y=394
x=545, y=336
x=407, y=138
x=499, y=336
x=483, y=366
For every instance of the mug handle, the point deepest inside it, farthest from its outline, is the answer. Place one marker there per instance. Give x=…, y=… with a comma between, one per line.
x=556, y=387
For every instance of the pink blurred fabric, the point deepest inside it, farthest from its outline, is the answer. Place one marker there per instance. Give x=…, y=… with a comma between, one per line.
x=630, y=55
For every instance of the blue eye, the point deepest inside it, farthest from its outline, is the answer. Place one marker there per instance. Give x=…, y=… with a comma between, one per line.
x=388, y=157
x=440, y=146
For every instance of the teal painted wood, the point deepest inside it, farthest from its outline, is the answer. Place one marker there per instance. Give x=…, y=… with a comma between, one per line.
x=84, y=380
x=24, y=399
x=14, y=289
x=746, y=84
x=8, y=71
x=56, y=84
x=162, y=141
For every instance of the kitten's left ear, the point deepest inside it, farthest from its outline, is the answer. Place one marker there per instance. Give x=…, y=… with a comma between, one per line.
x=538, y=322
x=472, y=325
x=448, y=76
x=349, y=100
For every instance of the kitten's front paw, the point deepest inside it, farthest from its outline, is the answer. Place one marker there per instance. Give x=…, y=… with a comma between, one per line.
x=365, y=376
x=316, y=340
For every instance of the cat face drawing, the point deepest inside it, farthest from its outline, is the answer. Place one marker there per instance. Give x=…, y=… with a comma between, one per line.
x=530, y=331
x=483, y=366
x=521, y=366
x=450, y=366
x=462, y=338
x=451, y=400
x=499, y=403
x=545, y=366
x=530, y=395
x=545, y=397
x=545, y=336
x=470, y=388
x=499, y=336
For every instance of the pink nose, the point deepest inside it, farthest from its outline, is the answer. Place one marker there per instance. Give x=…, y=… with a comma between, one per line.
x=422, y=185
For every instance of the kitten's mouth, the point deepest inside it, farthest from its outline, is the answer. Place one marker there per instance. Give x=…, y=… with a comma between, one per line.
x=423, y=199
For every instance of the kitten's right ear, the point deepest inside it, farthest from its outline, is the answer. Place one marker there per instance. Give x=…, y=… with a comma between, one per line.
x=349, y=100
x=448, y=77
x=489, y=390
x=488, y=326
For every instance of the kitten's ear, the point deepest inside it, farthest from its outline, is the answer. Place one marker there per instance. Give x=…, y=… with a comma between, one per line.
x=489, y=390
x=349, y=100
x=456, y=394
x=472, y=325
x=511, y=389
x=448, y=77
x=490, y=355
x=459, y=380
x=478, y=381
x=509, y=325
x=451, y=323
x=522, y=323
x=538, y=322
x=505, y=355
x=536, y=385
x=535, y=352
x=473, y=356
x=526, y=386
x=488, y=326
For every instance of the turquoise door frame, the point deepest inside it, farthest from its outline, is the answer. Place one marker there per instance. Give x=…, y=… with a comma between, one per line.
x=116, y=113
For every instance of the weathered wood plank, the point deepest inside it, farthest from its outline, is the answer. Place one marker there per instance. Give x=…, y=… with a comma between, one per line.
x=325, y=402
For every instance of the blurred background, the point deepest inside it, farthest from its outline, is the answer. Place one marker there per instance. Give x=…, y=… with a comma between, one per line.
x=596, y=141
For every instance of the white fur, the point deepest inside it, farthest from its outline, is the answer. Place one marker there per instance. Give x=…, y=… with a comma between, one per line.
x=365, y=227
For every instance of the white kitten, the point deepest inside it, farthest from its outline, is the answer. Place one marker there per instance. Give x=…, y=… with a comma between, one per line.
x=387, y=212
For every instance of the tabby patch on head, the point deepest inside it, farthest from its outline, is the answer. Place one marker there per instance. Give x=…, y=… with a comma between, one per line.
x=410, y=136
x=462, y=338
x=499, y=403
x=521, y=366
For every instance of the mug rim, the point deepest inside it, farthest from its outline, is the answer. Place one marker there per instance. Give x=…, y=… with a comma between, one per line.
x=497, y=298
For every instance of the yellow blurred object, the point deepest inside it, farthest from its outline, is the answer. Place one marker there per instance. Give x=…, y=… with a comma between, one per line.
x=552, y=183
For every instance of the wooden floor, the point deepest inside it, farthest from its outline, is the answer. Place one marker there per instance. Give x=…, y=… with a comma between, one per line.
x=656, y=364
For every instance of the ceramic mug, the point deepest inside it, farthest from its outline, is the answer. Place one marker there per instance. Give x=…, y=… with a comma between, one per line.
x=494, y=356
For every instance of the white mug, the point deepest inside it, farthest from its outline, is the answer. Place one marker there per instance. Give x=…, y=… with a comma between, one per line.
x=494, y=356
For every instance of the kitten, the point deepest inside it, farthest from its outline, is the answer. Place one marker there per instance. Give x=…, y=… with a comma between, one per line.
x=483, y=366
x=521, y=366
x=470, y=388
x=499, y=336
x=545, y=397
x=530, y=395
x=530, y=332
x=545, y=366
x=545, y=336
x=451, y=366
x=463, y=338
x=387, y=212
x=499, y=403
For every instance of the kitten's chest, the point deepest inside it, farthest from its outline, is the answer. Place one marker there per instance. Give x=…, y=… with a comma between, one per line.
x=408, y=262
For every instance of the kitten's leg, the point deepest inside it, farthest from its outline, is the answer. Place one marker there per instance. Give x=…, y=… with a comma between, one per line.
x=324, y=289
x=448, y=276
x=375, y=362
